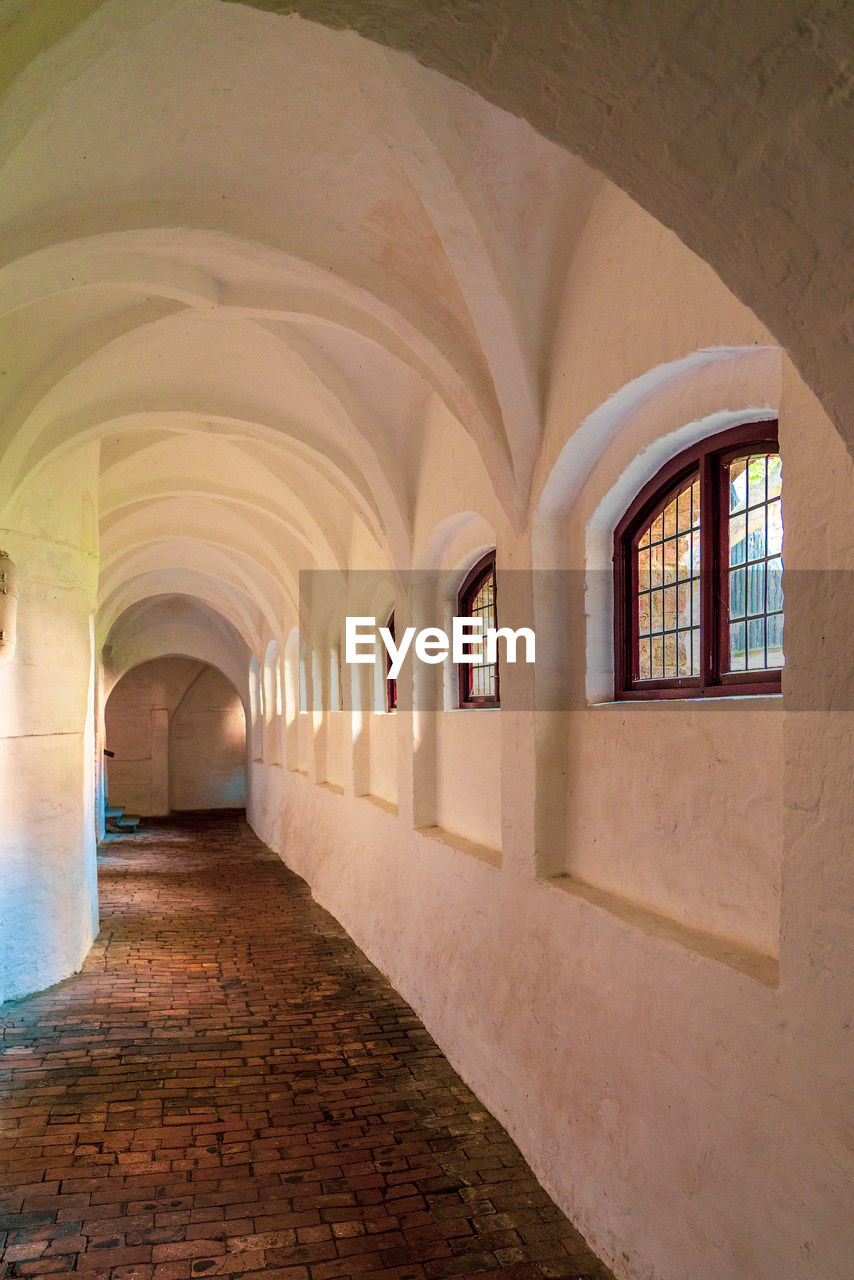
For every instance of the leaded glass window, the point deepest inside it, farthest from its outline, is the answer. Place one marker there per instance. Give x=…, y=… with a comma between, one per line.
x=477, y=599
x=755, y=535
x=699, y=573
x=669, y=589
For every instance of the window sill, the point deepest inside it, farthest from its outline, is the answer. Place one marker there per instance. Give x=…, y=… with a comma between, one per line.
x=474, y=706
x=769, y=701
x=379, y=803
x=743, y=959
x=483, y=852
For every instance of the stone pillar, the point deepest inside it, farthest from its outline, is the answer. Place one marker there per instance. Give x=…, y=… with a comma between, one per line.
x=518, y=764
x=48, y=902
x=817, y=892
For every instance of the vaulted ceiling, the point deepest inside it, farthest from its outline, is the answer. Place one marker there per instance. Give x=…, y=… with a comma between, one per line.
x=255, y=256
x=251, y=256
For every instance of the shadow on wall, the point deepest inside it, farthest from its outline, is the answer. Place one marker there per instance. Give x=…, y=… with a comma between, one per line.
x=177, y=727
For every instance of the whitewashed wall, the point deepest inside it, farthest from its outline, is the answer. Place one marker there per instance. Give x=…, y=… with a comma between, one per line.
x=466, y=339
x=48, y=892
x=632, y=990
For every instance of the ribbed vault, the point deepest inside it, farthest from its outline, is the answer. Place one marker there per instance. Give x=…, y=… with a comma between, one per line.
x=260, y=260
x=256, y=301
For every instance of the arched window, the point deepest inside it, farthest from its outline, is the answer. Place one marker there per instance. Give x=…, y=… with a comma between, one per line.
x=8, y=606
x=390, y=685
x=336, y=691
x=477, y=599
x=698, y=607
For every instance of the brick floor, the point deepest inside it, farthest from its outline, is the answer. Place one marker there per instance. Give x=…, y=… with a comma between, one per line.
x=229, y=1087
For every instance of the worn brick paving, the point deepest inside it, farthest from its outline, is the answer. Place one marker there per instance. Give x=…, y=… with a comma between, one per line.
x=230, y=1087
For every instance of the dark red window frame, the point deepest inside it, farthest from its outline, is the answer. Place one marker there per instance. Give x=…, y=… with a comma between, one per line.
x=390, y=685
x=468, y=591
x=708, y=460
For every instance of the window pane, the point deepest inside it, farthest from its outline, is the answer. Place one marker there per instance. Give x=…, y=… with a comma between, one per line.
x=684, y=508
x=684, y=606
x=756, y=644
x=482, y=680
x=738, y=485
x=695, y=504
x=775, y=528
x=668, y=583
x=775, y=586
x=756, y=533
x=774, y=626
x=643, y=665
x=755, y=589
x=775, y=476
x=683, y=557
x=756, y=541
x=643, y=570
x=756, y=482
x=684, y=653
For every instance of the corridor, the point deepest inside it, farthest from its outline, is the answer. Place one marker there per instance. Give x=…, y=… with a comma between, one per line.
x=229, y=1086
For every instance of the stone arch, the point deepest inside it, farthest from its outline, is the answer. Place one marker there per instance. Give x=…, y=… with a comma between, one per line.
x=177, y=727
x=609, y=457
x=183, y=625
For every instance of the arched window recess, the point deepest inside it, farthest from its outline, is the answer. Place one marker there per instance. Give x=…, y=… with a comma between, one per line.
x=698, y=573
x=478, y=598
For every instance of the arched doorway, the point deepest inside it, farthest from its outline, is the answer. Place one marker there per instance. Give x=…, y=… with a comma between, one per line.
x=177, y=729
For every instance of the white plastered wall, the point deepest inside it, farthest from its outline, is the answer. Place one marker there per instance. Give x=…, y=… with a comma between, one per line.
x=48, y=891
x=207, y=746
x=331, y=388
x=635, y=1064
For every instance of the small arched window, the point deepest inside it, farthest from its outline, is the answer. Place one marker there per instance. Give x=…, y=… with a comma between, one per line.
x=336, y=685
x=390, y=685
x=698, y=573
x=8, y=606
x=477, y=599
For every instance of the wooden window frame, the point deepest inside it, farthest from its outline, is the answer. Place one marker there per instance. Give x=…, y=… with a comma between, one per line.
x=390, y=685
x=466, y=594
x=708, y=461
